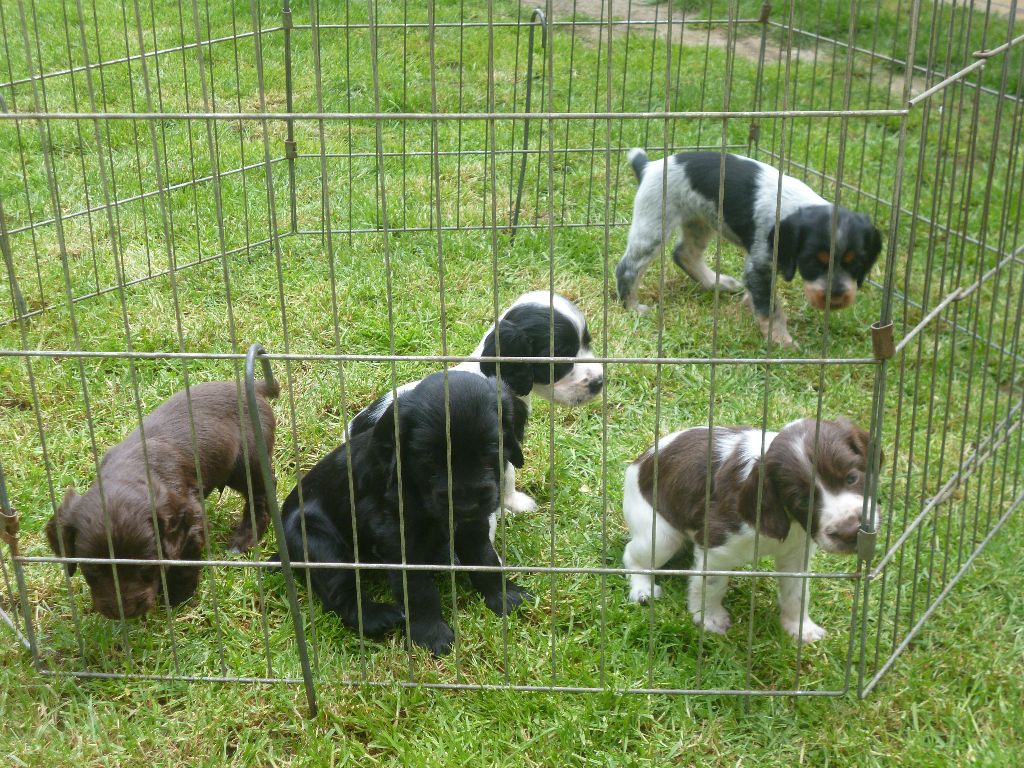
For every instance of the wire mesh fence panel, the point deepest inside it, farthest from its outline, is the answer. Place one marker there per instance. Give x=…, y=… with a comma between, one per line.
x=368, y=189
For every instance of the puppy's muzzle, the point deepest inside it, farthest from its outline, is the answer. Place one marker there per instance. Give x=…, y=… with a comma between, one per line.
x=840, y=297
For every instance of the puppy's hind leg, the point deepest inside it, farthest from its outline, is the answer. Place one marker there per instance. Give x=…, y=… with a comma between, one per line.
x=652, y=542
x=689, y=257
x=645, y=240
x=337, y=589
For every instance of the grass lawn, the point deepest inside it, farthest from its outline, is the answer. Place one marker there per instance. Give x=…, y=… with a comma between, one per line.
x=344, y=266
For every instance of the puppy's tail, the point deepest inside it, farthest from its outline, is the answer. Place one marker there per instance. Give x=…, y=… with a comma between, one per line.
x=638, y=159
x=268, y=389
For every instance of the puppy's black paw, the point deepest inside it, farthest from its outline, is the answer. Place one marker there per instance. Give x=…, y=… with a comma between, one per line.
x=437, y=637
x=379, y=618
x=513, y=598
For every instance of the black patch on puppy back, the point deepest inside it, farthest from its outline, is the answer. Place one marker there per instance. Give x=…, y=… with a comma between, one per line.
x=702, y=171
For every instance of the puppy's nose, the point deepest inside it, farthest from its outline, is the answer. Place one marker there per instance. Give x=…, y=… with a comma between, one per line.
x=594, y=385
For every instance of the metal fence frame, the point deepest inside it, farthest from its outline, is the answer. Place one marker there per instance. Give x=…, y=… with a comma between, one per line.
x=870, y=652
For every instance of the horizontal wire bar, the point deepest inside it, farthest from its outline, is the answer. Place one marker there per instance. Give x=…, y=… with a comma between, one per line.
x=564, y=150
x=169, y=678
x=917, y=68
x=447, y=568
x=452, y=116
x=355, y=682
x=138, y=281
x=368, y=358
x=142, y=196
x=134, y=57
x=940, y=597
x=662, y=22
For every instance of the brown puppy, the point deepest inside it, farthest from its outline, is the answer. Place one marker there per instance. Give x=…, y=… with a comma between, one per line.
x=118, y=509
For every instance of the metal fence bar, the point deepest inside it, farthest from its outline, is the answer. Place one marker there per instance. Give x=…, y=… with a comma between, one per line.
x=275, y=514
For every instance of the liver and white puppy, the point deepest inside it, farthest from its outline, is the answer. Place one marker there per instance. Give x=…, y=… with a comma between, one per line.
x=320, y=529
x=793, y=466
x=751, y=198
x=225, y=452
x=525, y=330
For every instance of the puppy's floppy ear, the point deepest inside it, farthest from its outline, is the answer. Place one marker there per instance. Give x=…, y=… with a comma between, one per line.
x=855, y=437
x=383, y=445
x=60, y=528
x=873, y=246
x=790, y=237
x=178, y=518
x=511, y=432
x=514, y=343
x=774, y=522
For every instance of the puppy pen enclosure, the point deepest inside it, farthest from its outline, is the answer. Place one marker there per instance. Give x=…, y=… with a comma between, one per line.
x=363, y=187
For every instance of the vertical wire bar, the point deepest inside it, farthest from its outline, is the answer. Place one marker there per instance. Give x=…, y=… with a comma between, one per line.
x=659, y=366
x=9, y=526
x=275, y=236
x=218, y=201
x=166, y=220
x=386, y=235
x=328, y=237
x=289, y=95
x=435, y=185
x=605, y=282
x=878, y=393
x=537, y=14
x=58, y=222
x=275, y=513
x=548, y=100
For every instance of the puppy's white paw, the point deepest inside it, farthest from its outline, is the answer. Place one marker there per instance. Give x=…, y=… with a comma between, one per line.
x=517, y=501
x=811, y=631
x=731, y=284
x=643, y=593
x=783, y=339
x=713, y=621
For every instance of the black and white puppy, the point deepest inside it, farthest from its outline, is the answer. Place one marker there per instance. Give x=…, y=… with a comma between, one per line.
x=751, y=198
x=321, y=528
x=525, y=330
x=792, y=466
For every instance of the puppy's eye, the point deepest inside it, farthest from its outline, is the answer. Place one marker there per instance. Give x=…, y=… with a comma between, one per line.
x=823, y=257
x=852, y=478
x=849, y=257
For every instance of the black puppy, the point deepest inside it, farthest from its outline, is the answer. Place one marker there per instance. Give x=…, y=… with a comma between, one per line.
x=425, y=499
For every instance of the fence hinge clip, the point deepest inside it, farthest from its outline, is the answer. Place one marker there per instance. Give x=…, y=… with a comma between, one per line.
x=766, y=11
x=881, y=341
x=286, y=18
x=9, y=525
x=290, y=149
x=753, y=133
x=866, y=545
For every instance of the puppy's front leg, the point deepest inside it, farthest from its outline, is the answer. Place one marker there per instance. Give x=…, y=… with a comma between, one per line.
x=426, y=627
x=795, y=596
x=759, y=298
x=473, y=546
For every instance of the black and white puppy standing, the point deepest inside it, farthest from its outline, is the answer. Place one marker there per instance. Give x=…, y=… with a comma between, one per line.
x=793, y=464
x=525, y=330
x=751, y=198
x=320, y=529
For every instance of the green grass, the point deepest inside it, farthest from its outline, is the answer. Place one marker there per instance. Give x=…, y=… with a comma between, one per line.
x=951, y=698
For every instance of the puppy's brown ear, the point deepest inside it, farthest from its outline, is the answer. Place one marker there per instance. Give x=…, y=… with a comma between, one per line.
x=773, y=520
x=61, y=532
x=176, y=516
x=856, y=437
